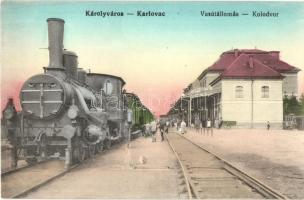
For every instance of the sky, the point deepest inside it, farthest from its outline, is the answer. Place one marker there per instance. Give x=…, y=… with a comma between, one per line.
x=156, y=56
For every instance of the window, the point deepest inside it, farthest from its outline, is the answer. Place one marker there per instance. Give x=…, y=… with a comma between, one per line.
x=265, y=92
x=89, y=103
x=239, y=92
x=108, y=87
x=204, y=82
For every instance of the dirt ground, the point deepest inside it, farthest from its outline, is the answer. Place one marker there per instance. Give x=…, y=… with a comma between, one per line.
x=145, y=170
x=274, y=157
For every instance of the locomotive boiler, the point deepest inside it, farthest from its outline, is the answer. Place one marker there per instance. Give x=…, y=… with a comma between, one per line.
x=66, y=111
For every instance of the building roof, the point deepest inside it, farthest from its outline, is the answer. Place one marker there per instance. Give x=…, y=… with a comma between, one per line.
x=246, y=66
x=107, y=75
x=223, y=62
x=270, y=58
x=257, y=51
x=234, y=64
x=275, y=63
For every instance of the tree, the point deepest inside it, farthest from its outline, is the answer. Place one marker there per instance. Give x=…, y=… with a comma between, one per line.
x=301, y=102
x=293, y=106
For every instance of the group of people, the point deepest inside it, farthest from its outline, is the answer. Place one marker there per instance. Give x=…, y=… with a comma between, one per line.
x=199, y=126
x=202, y=127
x=205, y=127
x=151, y=129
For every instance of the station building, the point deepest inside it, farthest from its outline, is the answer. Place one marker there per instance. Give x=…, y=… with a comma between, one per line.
x=243, y=88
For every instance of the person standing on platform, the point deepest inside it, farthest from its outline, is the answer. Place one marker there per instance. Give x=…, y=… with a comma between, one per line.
x=162, y=130
x=220, y=122
x=153, y=130
x=201, y=126
x=167, y=126
x=183, y=127
x=216, y=123
x=268, y=125
x=197, y=124
x=148, y=130
x=209, y=127
x=204, y=125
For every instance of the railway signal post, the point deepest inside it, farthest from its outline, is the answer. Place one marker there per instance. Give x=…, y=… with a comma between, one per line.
x=129, y=119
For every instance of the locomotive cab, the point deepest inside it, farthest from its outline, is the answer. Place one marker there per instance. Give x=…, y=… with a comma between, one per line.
x=111, y=89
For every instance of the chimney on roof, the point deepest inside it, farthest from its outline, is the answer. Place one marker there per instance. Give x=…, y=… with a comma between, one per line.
x=275, y=54
x=236, y=53
x=250, y=62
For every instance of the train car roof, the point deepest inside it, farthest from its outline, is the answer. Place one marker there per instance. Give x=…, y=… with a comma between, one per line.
x=109, y=75
x=132, y=94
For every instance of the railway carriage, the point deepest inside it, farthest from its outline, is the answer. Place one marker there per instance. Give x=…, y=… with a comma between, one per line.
x=141, y=115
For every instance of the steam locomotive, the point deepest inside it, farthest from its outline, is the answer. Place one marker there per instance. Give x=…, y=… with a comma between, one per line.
x=65, y=110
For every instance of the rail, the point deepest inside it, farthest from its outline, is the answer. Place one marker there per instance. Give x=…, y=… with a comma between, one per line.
x=21, y=168
x=248, y=179
x=27, y=191
x=183, y=169
x=258, y=186
x=43, y=182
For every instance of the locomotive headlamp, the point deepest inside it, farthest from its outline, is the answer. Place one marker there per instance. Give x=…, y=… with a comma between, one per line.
x=31, y=85
x=129, y=116
x=73, y=112
x=8, y=113
x=52, y=85
x=10, y=110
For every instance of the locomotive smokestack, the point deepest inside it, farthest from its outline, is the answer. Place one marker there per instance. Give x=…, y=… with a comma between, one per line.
x=55, y=32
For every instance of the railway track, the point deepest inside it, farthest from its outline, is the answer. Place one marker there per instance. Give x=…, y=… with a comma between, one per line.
x=21, y=181
x=5, y=173
x=209, y=176
x=17, y=183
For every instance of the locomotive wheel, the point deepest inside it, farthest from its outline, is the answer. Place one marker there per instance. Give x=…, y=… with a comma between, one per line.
x=43, y=146
x=99, y=147
x=108, y=144
x=30, y=155
x=91, y=151
x=75, y=154
x=79, y=153
x=31, y=160
x=82, y=153
x=120, y=139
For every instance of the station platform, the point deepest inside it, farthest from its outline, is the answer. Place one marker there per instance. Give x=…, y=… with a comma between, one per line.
x=275, y=157
x=145, y=170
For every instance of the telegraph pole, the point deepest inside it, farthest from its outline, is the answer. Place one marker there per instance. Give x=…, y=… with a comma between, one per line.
x=129, y=119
